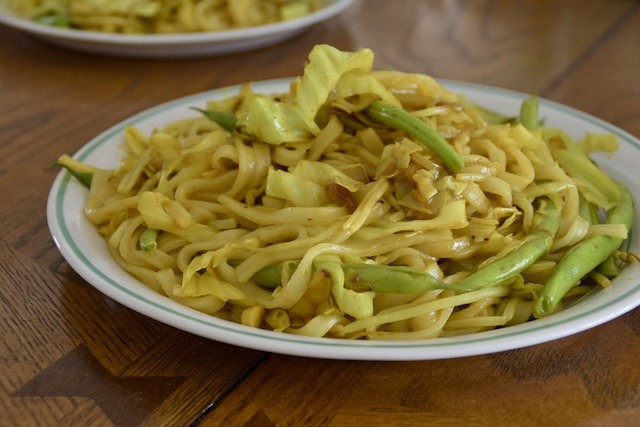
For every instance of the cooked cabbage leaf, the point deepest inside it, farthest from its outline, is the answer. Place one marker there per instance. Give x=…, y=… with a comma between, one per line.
x=277, y=121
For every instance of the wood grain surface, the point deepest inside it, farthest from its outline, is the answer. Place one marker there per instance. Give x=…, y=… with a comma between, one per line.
x=71, y=356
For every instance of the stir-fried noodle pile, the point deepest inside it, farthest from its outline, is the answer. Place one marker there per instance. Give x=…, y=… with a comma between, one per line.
x=160, y=16
x=326, y=211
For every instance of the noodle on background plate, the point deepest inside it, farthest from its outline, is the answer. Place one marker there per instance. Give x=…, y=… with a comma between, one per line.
x=315, y=212
x=160, y=16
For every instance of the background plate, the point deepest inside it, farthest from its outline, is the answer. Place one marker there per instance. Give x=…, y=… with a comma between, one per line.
x=86, y=251
x=174, y=45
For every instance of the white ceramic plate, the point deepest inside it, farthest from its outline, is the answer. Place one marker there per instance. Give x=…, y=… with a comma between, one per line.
x=174, y=45
x=86, y=252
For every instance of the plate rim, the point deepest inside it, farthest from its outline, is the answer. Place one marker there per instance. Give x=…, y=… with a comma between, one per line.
x=220, y=330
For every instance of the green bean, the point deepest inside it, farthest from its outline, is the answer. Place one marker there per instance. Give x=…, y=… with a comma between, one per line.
x=395, y=117
x=529, y=113
x=546, y=223
x=528, y=116
x=148, y=239
x=588, y=211
x=368, y=277
x=593, y=183
x=53, y=20
x=226, y=120
x=269, y=276
x=494, y=117
x=609, y=267
x=83, y=175
x=584, y=257
x=83, y=178
x=392, y=279
x=401, y=279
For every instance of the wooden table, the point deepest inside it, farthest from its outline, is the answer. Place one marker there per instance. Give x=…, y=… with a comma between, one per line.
x=71, y=356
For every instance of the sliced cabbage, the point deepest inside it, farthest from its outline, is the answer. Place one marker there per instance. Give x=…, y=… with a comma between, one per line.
x=325, y=174
x=356, y=304
x=293, y=118
x=602, y=142
x=298, y=191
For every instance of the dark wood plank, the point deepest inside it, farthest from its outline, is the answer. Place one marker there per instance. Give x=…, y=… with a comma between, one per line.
x=574, y=381
x=69, y=353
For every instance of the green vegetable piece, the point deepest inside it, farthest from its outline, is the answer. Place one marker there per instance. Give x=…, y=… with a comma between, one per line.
x=393, y=279
x=84, y=177
x=53, y=20
x=529, y=113
x=493, y=117
x=546, y=223
x=226, y=120
x=148, y=239
x=593, y=184
x=271, y=275
x=584, y=257
x=588, y=211
x=395, y=117
x=368, y=277
x=608, y=268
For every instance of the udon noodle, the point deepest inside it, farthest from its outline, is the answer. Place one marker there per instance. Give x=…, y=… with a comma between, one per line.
x=160, y=16
x=302, y=213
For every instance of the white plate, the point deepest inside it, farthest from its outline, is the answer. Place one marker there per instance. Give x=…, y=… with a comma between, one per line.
x=86, y=252
x=174, y=45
